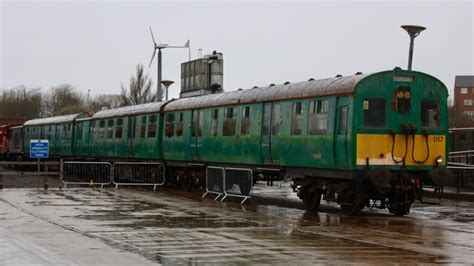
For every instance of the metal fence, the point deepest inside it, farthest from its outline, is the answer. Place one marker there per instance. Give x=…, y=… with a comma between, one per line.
x=233, y=182
x=238, y=183
x=138, y=173
x=87, y=173
x=215, y=181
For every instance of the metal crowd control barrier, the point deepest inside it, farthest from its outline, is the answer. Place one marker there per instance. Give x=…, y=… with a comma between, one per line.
x=87, y=173
x=234, y=182
x=238, y=183
x=139, y=174
x=215, y=181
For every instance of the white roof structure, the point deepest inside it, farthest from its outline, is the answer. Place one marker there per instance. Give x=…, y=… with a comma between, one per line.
x=54, y=120
x=153, y=107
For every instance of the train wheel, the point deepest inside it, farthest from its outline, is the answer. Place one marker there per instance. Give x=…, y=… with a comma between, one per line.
x=312, y=200
x=188, y=183
x=351, y=199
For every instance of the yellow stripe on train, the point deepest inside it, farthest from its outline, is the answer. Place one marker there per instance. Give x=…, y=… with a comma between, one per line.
x=378, y=148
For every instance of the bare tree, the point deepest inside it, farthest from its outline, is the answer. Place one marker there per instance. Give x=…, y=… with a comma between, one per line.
x=21, y=102
x=140, y=89
x=458, y=119
x=60, y=97
x=102, y=101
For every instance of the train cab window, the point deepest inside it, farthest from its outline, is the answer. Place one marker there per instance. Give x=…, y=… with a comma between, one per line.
x=245, y=123
x=230, y=120
x=214, y=122
x=275, y=119
x=374, y=112
x=318, y=117
x=343, y=119
x=179, y=125
x=143, y=127
x=101, y=129
x=430, y=113
x=119, y=128
x=297, y=118
x=151, y=126
x=169, y=125
x=110, y=129
x=403, y=96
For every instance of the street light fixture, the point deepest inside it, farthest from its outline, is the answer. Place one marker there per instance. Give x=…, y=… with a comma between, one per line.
x=413, y=31
x=167, y=84
x=160, y=46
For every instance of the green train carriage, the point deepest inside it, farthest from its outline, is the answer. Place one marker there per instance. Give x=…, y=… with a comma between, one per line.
x=353, y=138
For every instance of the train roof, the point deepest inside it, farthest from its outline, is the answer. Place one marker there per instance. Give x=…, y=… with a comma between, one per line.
x=54, y=120
x=153, y=107
x=310, y=88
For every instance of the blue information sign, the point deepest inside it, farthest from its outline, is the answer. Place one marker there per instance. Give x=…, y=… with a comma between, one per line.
x=39, y=148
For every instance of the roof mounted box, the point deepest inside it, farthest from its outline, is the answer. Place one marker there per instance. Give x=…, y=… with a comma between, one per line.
x=202, y=76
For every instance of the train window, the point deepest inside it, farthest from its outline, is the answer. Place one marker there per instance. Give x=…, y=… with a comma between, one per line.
x=275, y=119
x=403, y=95
x=429, y=113
x=143, y=127
x=132, y=123
x=64, y=132
x=343, y=115
x=179, y=125
x=195, y=123
x=119, y=128
x=266, y=119
x=201, y=122
x=79, y=131
x=152, y=126
x=169, y=125
x=214, y=122
x=245, y=123
x=318, y=117
x=92, y=129
x=110, y=128
x=296, y=119
x=374, y=112
x=229, y=122
x=101, y=129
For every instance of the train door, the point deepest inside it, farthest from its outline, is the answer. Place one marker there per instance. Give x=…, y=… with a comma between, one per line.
x=196, y=133
x=132, y=127
x=341, y=132
x=270, y=124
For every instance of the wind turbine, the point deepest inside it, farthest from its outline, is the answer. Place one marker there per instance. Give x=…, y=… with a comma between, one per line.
x=160, y=46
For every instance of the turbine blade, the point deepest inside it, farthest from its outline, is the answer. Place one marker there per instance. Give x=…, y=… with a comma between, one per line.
x=152, y=57
x=187, y=44
x=152, y=37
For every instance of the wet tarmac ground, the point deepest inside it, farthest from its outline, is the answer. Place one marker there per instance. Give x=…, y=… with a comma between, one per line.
x=124, y=226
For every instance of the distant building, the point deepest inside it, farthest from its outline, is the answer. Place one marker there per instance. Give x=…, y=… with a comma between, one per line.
x=464, y=93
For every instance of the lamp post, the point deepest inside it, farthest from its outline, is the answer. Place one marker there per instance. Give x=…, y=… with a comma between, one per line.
x=167, y=84
x=413, y=31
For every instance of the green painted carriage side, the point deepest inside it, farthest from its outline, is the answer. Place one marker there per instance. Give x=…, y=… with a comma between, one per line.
x=82, y=138
x=145, y=146
x=238, y=148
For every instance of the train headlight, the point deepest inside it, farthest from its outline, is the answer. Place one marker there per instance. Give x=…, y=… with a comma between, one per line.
x=439, y=159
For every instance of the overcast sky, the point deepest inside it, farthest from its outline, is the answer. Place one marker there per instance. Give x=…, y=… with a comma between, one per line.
x=96, y=45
